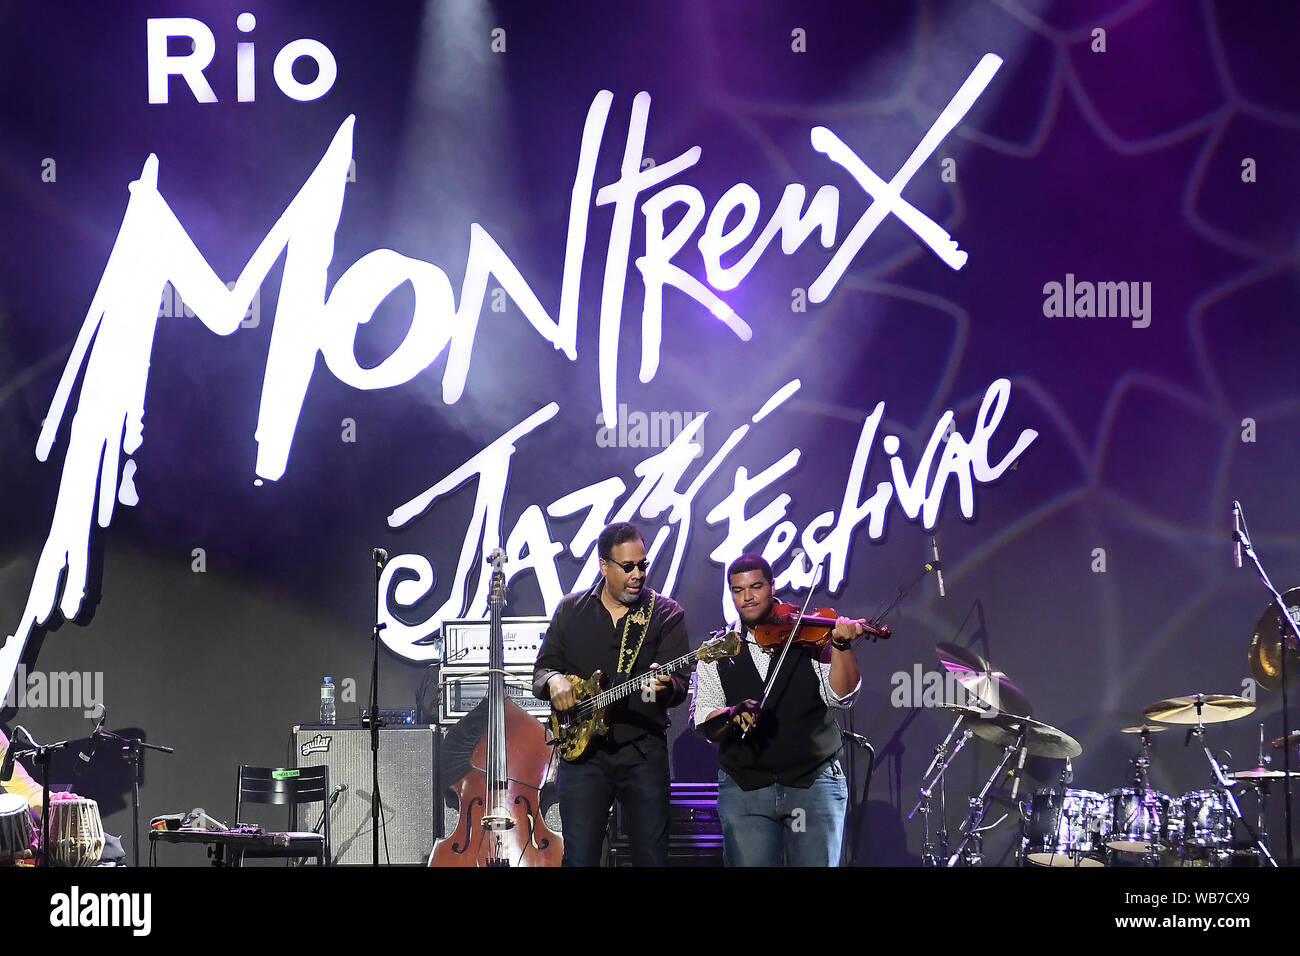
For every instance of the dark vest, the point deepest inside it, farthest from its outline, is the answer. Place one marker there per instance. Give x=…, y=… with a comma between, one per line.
x=796, y=734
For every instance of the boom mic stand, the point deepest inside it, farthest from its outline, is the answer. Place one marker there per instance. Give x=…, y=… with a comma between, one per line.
x=131, y=753
x=40, y=754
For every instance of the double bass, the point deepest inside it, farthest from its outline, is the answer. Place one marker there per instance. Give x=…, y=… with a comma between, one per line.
x=501, y=820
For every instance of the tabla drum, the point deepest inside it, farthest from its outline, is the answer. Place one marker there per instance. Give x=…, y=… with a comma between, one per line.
x=15, y=824
x=1065, y=828
x=76, y=832
x=1139, y=820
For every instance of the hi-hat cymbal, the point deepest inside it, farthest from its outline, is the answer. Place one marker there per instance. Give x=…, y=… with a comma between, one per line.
x=1199, y=708
x=1265, y=654
x=1004, y=730
x=1261, y=773
x=992, y=688
x=1144, y=729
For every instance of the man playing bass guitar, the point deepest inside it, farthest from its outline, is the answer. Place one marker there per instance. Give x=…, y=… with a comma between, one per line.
x=782, y=793
x=622, y=628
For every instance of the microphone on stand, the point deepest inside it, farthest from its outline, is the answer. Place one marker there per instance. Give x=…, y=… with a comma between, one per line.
x=7, y=768
x=800, y=555
x=1236, y=532
x=379, y=556
x=935, y=565
x=1015, y=787
x=88, y=753
x=329, y=805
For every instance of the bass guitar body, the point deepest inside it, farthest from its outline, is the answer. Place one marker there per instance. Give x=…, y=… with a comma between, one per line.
x=573, y=737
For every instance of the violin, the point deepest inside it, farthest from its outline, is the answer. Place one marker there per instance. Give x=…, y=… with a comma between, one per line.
x=814, y=630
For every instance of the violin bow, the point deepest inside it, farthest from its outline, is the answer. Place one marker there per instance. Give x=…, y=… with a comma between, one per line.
x=785, y=648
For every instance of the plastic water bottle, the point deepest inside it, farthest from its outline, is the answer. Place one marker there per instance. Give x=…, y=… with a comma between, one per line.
x=327, y=701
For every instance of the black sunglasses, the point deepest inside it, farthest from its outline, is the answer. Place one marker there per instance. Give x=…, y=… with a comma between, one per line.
x=627, y=566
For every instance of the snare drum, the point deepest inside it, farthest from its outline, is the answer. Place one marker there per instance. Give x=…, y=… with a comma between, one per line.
x=76, y=832
x=1138, y=820
x=15, y=824
x=1065, y=828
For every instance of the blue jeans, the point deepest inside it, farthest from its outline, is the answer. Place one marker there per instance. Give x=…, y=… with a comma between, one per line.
x=784, y=826
x=636, y=774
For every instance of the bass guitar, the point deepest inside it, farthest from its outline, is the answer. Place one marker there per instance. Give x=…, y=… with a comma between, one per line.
x=575, y=729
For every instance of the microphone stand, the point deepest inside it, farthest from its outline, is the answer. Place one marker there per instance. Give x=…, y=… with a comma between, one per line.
x=1242, y=538
x=380, y=559
x=131, y=753
x=40, y=754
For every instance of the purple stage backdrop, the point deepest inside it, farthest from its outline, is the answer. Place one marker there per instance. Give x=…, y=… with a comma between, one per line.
x=286, y=282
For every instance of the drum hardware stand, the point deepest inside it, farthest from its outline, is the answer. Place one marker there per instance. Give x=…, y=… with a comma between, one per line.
x=1226, y=785
x=942, y=758
x=970, y=827
x=1242, y=539
x=1261, y=787
x=1142, y=784
x=40, y=754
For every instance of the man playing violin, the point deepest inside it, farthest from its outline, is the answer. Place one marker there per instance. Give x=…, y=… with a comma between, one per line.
x=782, y=793
x=621, y=628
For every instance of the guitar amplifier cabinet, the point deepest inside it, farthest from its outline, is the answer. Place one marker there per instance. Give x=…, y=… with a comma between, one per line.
x=462, y=688
x=408, y=767
x=694, y=828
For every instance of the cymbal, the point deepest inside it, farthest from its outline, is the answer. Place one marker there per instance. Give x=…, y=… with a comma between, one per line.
x=992, y=688
x=1261, y=773
x=957, y=658
x=1213, y=709
x=1265, y=654
x=1144, y=729
x=1004, y=730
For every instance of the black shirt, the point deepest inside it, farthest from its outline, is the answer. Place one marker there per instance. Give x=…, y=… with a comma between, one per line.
x=583, y=638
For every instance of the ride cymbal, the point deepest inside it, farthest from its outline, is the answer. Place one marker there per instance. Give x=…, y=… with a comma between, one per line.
x=1005, y=730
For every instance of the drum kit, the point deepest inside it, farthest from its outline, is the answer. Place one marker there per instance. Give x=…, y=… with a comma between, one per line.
x=1135, y=825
